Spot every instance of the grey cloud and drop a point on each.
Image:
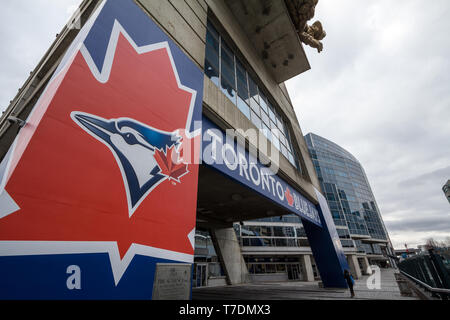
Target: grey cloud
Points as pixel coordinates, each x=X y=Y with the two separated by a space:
x=439 y=224
x=437 y=175
x=27 y=29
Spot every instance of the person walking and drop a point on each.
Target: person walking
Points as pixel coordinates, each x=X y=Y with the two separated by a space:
x=349 y=278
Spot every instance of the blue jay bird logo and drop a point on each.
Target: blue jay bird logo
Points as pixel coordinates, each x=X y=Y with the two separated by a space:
x=133 y=145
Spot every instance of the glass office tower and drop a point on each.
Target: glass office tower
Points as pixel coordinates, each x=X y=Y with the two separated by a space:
x=350 y=198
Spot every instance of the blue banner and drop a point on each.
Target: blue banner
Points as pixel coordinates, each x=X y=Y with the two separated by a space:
x=232 y=159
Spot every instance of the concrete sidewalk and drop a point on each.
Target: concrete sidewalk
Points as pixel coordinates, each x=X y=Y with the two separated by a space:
x=303 y=291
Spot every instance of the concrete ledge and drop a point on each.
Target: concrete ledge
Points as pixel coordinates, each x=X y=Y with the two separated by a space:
x=269 y=277
x=217 y=281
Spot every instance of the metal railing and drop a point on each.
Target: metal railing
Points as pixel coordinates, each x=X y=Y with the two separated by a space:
x=430 y=271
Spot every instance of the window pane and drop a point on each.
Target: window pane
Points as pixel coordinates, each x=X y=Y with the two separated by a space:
x=242 y=86
x=288 y=144
x=212 y=50
x=211 y=73
x=263 y=102
x=276 y=132
x=291 y=159
x=282 y=139
x=266 y=231
x=254 y=106
x=245 y=109
x=227 y=60
x=266 y=132
x=285 y=131
x=212 y=30
x=255 y=119
x=272 y=115
x=253 y=89
x=280 y=125
x=284 y=151
x=273 y=125
x=228 y=90
x=276 y=142
x=265 y=118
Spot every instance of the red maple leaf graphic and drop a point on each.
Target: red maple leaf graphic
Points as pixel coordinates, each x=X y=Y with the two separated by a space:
x=58 y=196
x=170 y=163
x=289 y=197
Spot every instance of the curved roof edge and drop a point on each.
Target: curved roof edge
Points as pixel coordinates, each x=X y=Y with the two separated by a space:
x=331 y=146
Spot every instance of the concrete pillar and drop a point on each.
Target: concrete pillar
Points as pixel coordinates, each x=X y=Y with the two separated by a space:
x=308 y=273
x=366 y=266
x=354 y=266
x=229 y=251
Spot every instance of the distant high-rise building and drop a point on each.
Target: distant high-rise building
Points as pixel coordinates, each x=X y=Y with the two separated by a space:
x=446 y=189
x=350 y=198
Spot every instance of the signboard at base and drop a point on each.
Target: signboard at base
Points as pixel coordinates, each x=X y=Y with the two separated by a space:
x=172 y=281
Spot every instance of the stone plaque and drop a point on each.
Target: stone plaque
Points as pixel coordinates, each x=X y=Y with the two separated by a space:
x=172 y=281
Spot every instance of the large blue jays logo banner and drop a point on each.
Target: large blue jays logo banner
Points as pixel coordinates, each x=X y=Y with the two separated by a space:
x=98 y=187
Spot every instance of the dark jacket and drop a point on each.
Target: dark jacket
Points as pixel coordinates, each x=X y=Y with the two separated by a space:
x=348 y=278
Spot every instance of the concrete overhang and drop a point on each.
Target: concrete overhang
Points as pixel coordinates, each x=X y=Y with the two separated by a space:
x=373 y=240
x=359 y=236
x=223 y=201
x=269 y=27
x=376 y=257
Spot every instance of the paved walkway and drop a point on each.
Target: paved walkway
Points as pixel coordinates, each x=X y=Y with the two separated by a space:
x=303 y=291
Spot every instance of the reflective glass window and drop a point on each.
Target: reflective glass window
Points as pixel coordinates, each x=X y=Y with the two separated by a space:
x=267 y=132
x=255 y=119
x=273 y=126
x=275 y=131
x=263 y=101
x=280 y=125
x=255 y=106
x=253 y=89
x=228 y=90
x=245 y=109
x=276 y=142
x=272 y=115
x=284 y=151
x=212 y=49
x=212 y=55
x=282 y=138
x=212 y=73
x=227 y=65
x=241 y=75
x=291 y=159
x=265 y=118
x=288 y=145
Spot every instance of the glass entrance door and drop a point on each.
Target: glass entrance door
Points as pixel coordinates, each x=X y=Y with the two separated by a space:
x=199 y=276
x=293 y=271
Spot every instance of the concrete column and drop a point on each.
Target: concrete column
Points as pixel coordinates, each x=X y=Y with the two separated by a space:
x=307 y=267
x=227 y=248
x=366 y=266
x=354 y=266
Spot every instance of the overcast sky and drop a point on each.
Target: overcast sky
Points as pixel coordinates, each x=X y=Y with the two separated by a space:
x=380 y=89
